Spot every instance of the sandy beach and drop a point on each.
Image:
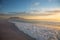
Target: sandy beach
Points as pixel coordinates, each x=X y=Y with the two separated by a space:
x=8 y=31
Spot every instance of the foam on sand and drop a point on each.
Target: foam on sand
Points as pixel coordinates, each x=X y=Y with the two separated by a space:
x=38 y=31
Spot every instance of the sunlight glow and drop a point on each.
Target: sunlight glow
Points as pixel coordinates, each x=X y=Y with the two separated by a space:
x=53 y=17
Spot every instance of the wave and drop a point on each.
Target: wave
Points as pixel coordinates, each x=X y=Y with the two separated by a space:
x=38 y=31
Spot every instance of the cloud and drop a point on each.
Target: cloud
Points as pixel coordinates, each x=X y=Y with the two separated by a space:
x=49 y=0
x=36 y=4
x=49 y=9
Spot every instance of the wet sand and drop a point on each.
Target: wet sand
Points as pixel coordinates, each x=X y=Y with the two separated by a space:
x=8 y=31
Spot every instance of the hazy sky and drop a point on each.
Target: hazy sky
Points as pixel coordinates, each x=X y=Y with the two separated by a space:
x=28 y=5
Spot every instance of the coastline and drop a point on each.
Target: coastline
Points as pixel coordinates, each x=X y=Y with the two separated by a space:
x=40 y=32
x=8 y=31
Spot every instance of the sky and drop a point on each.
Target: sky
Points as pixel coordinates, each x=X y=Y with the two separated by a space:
x=29 y=5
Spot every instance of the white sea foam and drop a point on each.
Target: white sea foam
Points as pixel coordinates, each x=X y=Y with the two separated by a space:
x=38 y=32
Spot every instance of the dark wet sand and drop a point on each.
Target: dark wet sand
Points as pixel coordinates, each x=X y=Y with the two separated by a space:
x=8 y=31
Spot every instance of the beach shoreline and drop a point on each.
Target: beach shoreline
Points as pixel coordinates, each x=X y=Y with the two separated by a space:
x=8 y=31
x=38 y=31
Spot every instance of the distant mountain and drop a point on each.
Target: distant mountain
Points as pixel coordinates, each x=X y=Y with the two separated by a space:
x=17 y=18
